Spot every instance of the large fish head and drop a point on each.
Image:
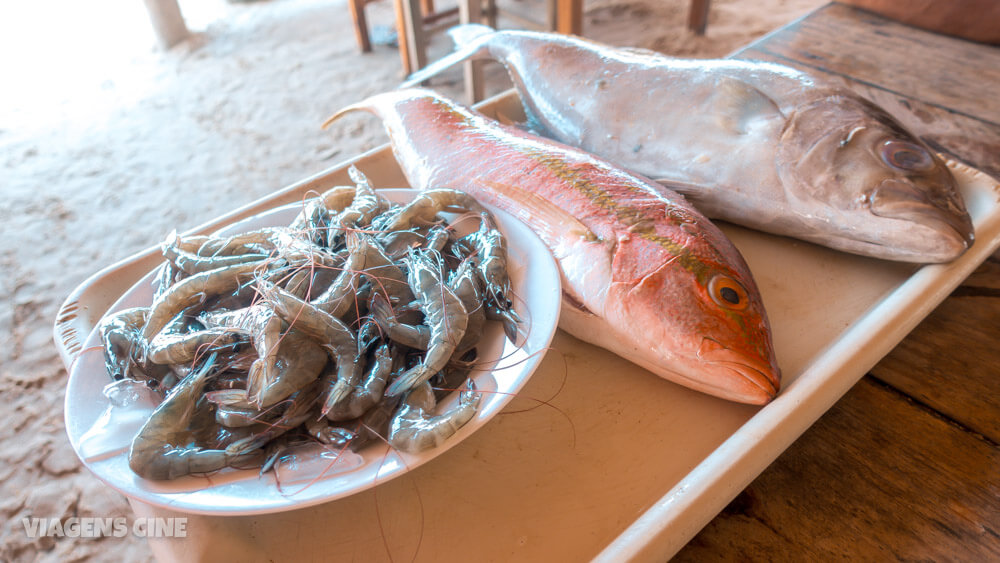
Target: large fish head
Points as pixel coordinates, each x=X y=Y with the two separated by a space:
x=694 y=315
x=874 y=188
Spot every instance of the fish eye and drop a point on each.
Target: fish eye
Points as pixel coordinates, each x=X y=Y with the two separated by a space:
x=728 y=293
x=906 y=156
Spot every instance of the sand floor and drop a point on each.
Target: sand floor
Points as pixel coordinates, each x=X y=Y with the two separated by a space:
x=107 y=144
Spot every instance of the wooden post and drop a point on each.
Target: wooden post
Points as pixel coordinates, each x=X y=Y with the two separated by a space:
x=569 y=17
x=360 y=24
x=410 y=30
x=698 y=16
x=168 y=23
x=471 y=11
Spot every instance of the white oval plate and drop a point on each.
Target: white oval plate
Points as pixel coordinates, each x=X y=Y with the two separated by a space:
x=101 y=436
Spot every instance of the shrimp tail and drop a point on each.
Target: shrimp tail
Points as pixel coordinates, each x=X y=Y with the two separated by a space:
x=408 y=380
x=338 y=393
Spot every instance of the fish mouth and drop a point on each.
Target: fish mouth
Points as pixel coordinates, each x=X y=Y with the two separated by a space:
x=895 y=199
x=755 y=380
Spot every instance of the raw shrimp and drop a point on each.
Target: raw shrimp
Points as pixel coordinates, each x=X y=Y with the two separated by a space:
x=414 y=428
x=308 y=341
x=437 y=237
x=297 y=361
x=491 y=255
x=179 y=348
x=297 y=411
x=444 y=314
x=366 y=205
x=161 y=450
x=467 y=285
x=258 y=240
x=335 y=337
x=312 y=223
x=385 y=276
x=121 y=335
x=185 y=336
x=328 y=434
x=425 y=207
x=398 y=244
x=192 y=263
x=337 y=298
x=367 y=393
x=191 y=291
x=125 y=351
x=166 y=277
x=414 y=336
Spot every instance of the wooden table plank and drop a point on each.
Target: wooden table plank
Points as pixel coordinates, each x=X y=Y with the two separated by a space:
x=948 y=363
x=877 y=478
x=939 y=70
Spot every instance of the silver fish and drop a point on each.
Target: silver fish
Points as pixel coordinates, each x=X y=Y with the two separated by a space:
x=758 y=144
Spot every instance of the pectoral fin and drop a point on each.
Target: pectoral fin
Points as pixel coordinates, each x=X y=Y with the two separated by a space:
x=737 y=105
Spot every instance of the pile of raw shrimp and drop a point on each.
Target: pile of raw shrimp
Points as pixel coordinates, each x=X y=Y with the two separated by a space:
x=344 y=327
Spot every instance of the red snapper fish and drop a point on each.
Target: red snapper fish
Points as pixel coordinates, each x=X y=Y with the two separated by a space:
x=644 y=274
x=754 y=143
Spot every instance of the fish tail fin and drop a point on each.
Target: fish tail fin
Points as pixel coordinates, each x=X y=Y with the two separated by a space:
x=465 y=34
x=363 y=105
x=471 y=43
x=377 y=104
x=374 y=104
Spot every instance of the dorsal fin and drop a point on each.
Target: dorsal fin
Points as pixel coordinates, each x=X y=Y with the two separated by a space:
x=471 y=41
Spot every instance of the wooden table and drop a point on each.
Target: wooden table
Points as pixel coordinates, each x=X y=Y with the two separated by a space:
x=907 y=464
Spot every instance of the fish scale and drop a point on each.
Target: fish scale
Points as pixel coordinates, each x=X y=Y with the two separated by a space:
x=642 y=270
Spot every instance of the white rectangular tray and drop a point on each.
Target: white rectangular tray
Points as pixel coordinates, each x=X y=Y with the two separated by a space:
x=596 y=458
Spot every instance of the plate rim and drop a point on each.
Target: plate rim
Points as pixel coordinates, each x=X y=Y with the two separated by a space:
x=541 y=262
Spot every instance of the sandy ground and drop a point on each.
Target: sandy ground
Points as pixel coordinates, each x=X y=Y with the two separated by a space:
x=106 y=144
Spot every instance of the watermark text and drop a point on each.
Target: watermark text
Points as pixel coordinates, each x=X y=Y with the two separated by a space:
x=91 y=527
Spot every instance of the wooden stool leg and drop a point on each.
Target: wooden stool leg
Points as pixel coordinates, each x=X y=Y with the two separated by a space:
x=470 y=11
x=698 y=16
x=551 y=15
x=360 y=24
x=401 y=37
x=412 y=37
x=168 y=23
x=569 y=16
x=490 y=15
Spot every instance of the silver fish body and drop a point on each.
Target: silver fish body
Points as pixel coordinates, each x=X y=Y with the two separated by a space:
x=753 y=143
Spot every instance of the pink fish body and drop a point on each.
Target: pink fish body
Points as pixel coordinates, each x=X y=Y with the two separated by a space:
x=644 y=274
